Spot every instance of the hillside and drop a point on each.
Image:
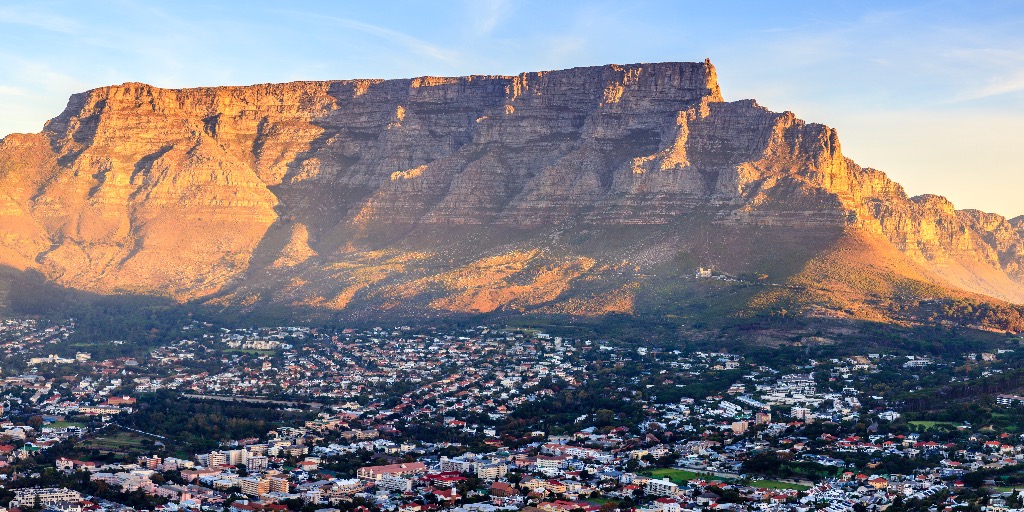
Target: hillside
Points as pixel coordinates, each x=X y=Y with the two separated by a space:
x=583 y=192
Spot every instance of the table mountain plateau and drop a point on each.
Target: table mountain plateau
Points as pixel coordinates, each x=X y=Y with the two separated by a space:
x=583 y=191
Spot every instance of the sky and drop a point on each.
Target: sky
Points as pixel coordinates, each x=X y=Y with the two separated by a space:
x=931 y=92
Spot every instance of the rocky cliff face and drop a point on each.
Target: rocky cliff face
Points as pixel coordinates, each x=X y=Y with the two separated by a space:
x=574 y=191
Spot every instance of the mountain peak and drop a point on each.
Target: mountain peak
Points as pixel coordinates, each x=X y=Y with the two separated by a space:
x=582 y=191
x=1018 y=222
x=934 y=203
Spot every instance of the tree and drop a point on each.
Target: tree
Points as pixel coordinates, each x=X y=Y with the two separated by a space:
x=604 y=417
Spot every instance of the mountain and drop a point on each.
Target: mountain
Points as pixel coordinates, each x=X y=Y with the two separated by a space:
x=583 y=192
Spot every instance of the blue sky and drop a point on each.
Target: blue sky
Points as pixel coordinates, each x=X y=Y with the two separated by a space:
x=930 y=92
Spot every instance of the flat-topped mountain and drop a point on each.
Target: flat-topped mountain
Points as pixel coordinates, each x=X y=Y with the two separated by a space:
x=584 y=191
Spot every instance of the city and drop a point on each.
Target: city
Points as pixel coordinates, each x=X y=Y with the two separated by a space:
x=486 y=418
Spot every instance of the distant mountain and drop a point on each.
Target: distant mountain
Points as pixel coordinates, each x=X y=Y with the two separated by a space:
x=581 y=192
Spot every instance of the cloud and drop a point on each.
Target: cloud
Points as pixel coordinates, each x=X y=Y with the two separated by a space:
x=488 y=14
x=28 y=16
x=411 y=43
x=38 y=75
x=989 y=72
x=997 y=86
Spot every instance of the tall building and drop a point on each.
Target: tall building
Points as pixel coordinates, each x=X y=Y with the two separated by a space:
x=255 y=486
x=763 y=418
x=278 y=484
x=217 y=458
x=257 y=464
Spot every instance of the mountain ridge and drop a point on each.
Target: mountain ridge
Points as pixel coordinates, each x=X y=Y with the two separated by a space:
x=563 y=192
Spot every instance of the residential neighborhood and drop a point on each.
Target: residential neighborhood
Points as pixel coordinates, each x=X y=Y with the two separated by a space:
x=485 y=419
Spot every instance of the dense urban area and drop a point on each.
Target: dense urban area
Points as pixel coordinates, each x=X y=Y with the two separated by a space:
x=487 y=418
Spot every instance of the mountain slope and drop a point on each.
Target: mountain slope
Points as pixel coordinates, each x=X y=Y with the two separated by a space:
x=584 y=191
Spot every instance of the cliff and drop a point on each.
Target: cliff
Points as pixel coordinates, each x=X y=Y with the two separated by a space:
x=580 y=191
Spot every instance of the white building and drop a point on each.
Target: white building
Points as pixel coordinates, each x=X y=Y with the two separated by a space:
x=661 y=488
x=40 y=497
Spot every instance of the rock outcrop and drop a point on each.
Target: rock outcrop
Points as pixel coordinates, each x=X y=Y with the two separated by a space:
x=1018 y=223
x=579 y=191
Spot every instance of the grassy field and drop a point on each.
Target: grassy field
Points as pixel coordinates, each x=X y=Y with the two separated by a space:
x=1007 y=488
x=679 y=476
x=119 y=442
x=775 y=484
x=928 y=425
x=1003 y=422
x=65 y=424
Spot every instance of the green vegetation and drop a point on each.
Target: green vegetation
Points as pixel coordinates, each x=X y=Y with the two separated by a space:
x=682 y=476
x=929 y=425
x=1006 y=476
x=992 y=315
x=711 y=383
x=777 y=484
x=65 y=424
x=679 y=476
x=198 y=425
x=118 y=442
x=771 y=464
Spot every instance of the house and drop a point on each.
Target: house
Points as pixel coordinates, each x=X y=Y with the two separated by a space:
x=667 y=505
x=448 y=496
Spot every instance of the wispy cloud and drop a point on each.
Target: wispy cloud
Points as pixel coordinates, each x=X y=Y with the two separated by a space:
x=37 y=75
x=33 y=92
x=30 y=15
x=411 y=43
x=988 y=72
x=488 y=14
x=996 y=86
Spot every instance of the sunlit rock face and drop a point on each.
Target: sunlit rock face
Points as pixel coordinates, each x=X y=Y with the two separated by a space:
x=582 y=192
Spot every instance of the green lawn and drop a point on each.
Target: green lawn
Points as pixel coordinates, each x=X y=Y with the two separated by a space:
x=64 y=424
x=119 y=442
x=775 y=484
x=1003 y=422
x=933 y=424
x=679 y=476
x=1010 y=488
